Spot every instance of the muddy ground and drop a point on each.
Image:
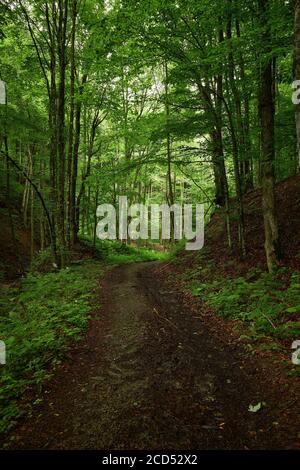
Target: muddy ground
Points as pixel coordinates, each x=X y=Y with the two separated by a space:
x=152 y=374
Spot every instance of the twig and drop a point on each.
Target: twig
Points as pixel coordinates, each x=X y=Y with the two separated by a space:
x=166 y=319
x=270 y=321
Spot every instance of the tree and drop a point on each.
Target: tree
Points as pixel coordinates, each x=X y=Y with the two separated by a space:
x=94 y=113
x=297 y=72
x=267 y=112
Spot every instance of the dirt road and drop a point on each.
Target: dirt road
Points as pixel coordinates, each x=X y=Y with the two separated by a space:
x=150 y=375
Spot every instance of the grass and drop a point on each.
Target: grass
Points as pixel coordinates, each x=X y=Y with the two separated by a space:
x=115 y=252
x=38 y=321
x=136 y=256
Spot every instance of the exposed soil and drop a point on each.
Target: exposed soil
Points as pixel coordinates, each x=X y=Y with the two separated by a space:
x=153 y=374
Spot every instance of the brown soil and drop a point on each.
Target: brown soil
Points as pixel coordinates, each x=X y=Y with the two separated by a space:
x=152 y=373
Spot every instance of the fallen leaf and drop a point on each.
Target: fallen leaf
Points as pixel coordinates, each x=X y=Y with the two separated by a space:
x=255 y=408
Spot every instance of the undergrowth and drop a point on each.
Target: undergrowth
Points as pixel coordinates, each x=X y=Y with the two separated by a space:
x=269 y=305
x=38 y=321
x=115 y=252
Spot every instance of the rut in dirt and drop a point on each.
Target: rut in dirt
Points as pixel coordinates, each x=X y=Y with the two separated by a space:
x=150 y=375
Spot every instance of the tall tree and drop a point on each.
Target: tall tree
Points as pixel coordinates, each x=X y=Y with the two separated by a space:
x=267 y=112
x=297 y=72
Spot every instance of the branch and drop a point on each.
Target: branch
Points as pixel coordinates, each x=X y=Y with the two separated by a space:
x=36 y=46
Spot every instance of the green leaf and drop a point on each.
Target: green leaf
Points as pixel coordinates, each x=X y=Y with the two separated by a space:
x=293 y=309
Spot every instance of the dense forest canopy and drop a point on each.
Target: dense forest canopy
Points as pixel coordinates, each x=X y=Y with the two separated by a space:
x=164 y=101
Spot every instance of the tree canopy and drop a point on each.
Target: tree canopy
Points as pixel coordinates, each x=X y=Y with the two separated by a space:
x=163 y=101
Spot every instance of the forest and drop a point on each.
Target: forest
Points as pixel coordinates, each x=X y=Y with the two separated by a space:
x=167 y=102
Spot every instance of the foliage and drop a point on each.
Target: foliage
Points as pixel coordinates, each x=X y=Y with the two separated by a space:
x=115 y=252
x=37 y=323
x=141 y=75
x=268 y=305
x=42 y=262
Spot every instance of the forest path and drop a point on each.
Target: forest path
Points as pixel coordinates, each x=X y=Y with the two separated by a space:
x=149 y=376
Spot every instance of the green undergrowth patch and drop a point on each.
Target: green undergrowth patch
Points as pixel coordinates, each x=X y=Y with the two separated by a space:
x=38 y=322
x=115 y=252
x=268 y=305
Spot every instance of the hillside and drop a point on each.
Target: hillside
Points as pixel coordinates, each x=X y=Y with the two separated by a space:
x=288 y=203
x=14 y=254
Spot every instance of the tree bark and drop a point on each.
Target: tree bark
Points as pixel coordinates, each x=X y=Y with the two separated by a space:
x=73 y=219
x=95 y=123
x=237 y=142
x=61 y=154
x=267 y=111
x=71 y=124
x=52 y=118
x=247 y=164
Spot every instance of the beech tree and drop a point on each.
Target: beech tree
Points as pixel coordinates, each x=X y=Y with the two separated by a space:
x=267 y=112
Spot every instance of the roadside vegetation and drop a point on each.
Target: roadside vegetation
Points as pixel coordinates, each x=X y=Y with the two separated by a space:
x=267 y=303
x=38 y=321
x=265 y=307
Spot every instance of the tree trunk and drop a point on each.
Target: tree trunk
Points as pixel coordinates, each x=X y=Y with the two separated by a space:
x=221 y=183
x=71 y=123
x=267 y=111
x=11 y=220
x=247 y=164
x=95 y=216
x=237 y=142
x=169 y=193
x=297 y=75
x=95 y=124
x=61 y=42
x=52 y=119
x=73 y=220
